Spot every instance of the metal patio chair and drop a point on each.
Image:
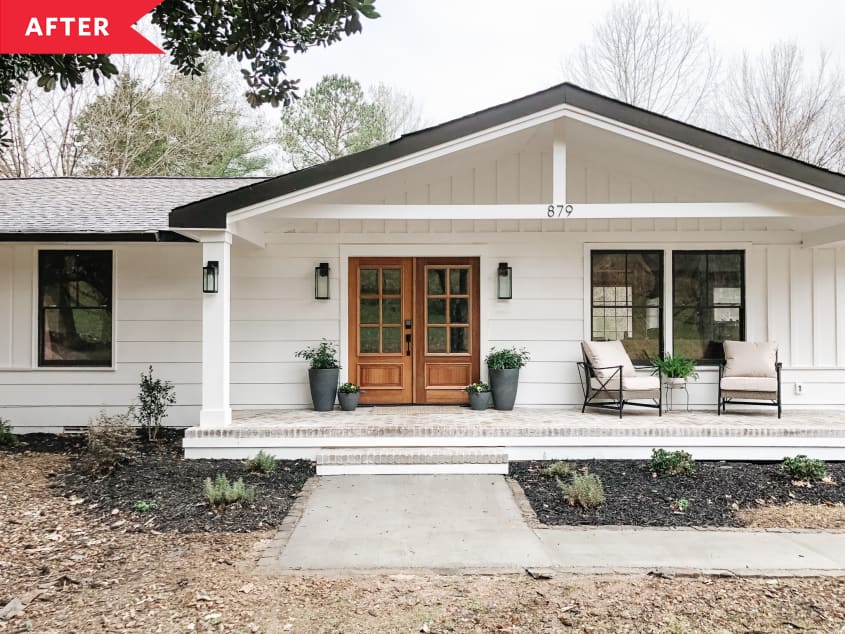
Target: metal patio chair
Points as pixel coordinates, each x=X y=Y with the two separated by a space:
x=749 y=375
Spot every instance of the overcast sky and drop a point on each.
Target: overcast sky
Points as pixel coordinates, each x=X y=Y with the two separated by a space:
x=458 y=56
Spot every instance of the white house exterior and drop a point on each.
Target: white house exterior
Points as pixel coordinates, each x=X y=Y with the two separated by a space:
x=563 y=186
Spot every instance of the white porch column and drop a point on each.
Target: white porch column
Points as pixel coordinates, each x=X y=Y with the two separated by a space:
x=216 y=409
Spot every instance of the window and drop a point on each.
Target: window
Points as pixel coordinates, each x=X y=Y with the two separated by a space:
x=627 y=291
x=75 y=308
x=708 y=302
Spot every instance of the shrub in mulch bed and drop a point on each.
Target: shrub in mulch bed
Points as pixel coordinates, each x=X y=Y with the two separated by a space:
x=635 y=498
x=170 y=490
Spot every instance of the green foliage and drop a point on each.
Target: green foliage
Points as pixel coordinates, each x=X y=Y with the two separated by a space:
x=332 y=119
x=322 y=356
x=671 y=463
x=154 y=397
x=806 y=469
x=559 y=469
x=681 y=505
x=7 y=438
x=220 y=493
x=584 y=490
x=477 y=388
x=507 y=358
x=142 y=506
x=349 y=388
x=264 y=32
x=261 y=463
x=110 y=440
x=675 y=367
x=191 y=127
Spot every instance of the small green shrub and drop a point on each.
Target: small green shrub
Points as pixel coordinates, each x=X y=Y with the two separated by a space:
x=110 y=440
x=7 y=438
x=675 y=367
x=681 y=505
x=349 y=388
x=261 y=463
x=322 y=356
x=559 y=469
x=155 y=396
x=671 y=463
x=477 y=388
x=219 y=492
x=507 y=358
x=584 y=490
x=803 y=468
x=142 y=506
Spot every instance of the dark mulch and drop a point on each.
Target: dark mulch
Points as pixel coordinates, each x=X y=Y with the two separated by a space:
x=45 y=443
x=636 y=498
x=158 y=474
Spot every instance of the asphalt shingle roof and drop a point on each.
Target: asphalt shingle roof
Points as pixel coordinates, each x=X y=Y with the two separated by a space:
x=101 y=205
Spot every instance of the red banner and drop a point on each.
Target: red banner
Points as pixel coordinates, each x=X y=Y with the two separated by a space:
x=82 y=26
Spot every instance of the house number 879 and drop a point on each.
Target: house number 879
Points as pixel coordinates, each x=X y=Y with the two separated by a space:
x=556 y=211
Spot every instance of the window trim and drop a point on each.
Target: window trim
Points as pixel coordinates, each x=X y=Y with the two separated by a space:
x=743 y=308
x=38 y=296
x=661 y=345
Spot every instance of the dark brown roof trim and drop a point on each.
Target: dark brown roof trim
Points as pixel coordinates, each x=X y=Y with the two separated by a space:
x=211 y=212
x=150 y=236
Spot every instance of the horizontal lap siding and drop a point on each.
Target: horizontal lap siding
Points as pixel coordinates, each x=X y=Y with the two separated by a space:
x=158 y=322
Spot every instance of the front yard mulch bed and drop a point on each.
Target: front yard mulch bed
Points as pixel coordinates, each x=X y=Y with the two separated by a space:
x=159 y=475
x=636 y=498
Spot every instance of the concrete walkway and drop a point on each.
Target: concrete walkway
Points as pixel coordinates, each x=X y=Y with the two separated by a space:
x=470 y=523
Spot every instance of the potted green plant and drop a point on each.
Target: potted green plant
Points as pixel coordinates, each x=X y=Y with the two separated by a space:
x=503 y=371
x=676 y=369
x=479 y=396
x=348 y=395
x=322 y=374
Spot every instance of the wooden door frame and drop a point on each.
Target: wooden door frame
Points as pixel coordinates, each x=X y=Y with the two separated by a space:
x=385 y=246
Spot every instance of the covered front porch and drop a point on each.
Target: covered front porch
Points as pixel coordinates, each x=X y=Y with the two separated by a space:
x=398 y=439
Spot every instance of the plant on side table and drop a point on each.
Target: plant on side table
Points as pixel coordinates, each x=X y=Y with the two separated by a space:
x=348 y=395
x=479 y=396
x=676 y=369
x=323 y=373
x=503 y=369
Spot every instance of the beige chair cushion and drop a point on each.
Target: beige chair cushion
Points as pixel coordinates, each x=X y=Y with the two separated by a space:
x=629 y=383
x=747 y=359
x=749 y=384
x=605 y=354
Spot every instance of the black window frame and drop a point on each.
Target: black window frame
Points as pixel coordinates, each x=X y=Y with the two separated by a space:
x=73 y=363
x=742 y=306
x=661 y=306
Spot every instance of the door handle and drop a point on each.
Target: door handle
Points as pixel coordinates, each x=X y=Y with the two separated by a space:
x=408 y=345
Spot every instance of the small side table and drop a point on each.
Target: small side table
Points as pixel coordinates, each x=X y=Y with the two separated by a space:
x=670 y=389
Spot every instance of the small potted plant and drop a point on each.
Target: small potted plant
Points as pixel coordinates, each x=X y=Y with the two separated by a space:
x=479 y=396
x=348 y=395
x=322 y=374
x=503 y=369
x=677 y=370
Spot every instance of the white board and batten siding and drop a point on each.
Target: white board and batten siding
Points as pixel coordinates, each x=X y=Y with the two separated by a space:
x=794 y=296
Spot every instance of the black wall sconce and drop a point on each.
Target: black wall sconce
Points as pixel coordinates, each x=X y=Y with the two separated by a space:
x=321 y=281
x=210 y=275
x=505 y=281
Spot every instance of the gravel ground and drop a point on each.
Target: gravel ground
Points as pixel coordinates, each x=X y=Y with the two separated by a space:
x=635 y=497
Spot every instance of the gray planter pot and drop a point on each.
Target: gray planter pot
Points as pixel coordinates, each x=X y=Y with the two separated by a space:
x=480 y=401
x=323 y=385
x=348 y=400
x=503 y=385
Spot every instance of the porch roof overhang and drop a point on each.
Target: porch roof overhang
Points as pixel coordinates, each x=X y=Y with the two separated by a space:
x=565 y=99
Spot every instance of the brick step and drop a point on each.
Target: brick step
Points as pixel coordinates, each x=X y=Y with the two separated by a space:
x=412 y=460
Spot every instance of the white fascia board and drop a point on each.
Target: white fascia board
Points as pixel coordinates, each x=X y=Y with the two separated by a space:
x=536 y=119
x=541 y=211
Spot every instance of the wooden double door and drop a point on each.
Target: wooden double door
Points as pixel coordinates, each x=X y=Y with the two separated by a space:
x=413 y=329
